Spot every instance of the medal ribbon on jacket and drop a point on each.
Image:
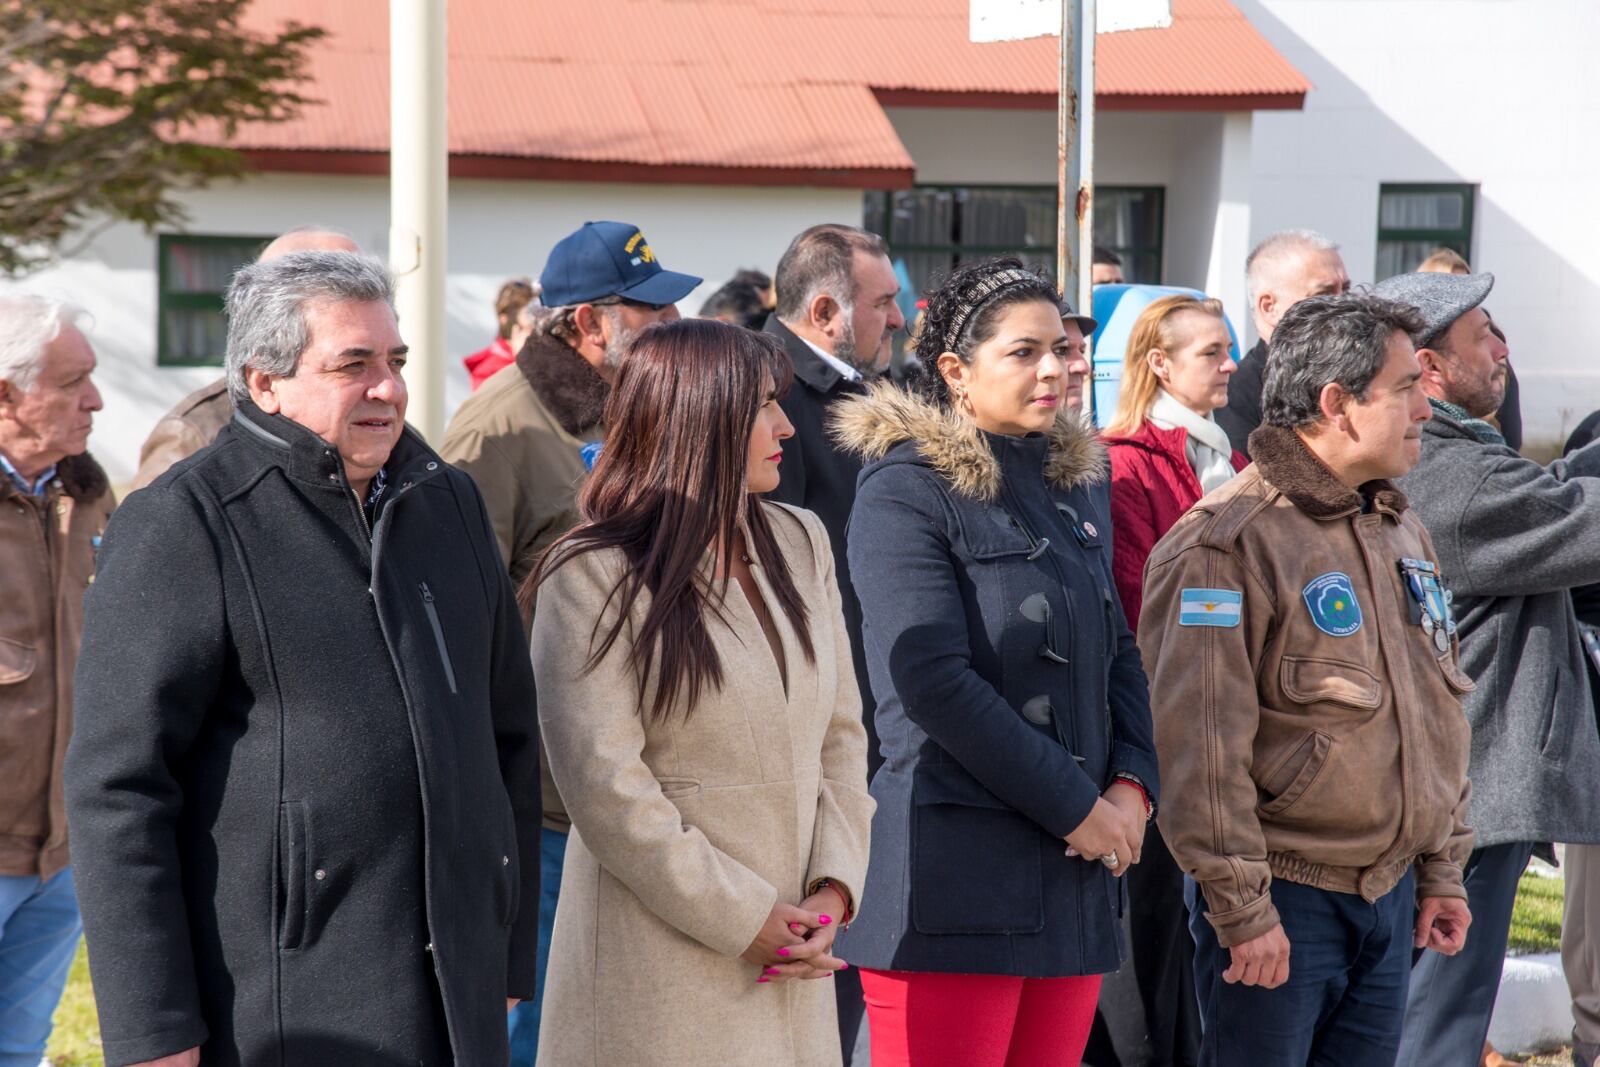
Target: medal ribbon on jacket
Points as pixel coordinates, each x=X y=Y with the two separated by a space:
x=1432 y=601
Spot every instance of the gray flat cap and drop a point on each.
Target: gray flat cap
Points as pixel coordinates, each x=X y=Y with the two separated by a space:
x=1442 y=298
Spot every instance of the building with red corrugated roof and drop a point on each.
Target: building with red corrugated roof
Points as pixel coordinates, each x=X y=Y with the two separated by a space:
x=723 y=127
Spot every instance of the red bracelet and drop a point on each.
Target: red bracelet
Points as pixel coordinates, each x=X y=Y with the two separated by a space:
x=1128 y=779
x=843 y=900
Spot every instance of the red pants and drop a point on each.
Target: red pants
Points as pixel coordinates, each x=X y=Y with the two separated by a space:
x=923 y=1019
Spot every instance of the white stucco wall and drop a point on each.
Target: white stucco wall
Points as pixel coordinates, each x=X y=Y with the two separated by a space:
x=497 y=230
x=1501 y=94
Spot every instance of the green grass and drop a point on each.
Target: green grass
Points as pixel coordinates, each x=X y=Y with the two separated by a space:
x=76 y=1040
x=1536 y=919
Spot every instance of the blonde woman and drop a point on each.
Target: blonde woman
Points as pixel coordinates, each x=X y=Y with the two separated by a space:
x=1167 y=451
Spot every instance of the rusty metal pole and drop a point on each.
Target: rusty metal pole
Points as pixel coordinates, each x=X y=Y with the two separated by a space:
x=1085 y=178
x=1075 y=162
x=1067 y=151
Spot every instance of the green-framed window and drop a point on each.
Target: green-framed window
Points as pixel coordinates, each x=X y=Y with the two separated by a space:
x=193 y=272
x=1130 y=220
x=1415 y=220
x=931 y=228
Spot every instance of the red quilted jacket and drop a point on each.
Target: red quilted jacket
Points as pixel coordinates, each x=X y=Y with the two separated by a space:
x=1152 y=485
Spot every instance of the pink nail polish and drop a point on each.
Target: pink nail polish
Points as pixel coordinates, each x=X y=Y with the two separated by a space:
x=760 y=980
x=824 y=920
x=771 y=970
x=783 y=952
x=844 y=966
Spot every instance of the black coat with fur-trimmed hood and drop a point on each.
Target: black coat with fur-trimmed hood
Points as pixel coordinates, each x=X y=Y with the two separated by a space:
x=1009 y=691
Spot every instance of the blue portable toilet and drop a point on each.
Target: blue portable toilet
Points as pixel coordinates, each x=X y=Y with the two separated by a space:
x=1116 y=309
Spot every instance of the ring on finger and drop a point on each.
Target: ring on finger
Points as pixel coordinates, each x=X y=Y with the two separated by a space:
x=1111 y=860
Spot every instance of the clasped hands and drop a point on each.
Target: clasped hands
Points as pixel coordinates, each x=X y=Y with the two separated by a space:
x=797 y=941
x=1114 y=827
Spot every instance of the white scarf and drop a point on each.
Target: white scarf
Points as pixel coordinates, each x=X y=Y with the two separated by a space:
x=1208 y=449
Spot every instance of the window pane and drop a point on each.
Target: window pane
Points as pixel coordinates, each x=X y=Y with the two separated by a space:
x=1018 y=218
x=1127 y=218
x=1422 y=211
x=923 y=217
x=1128 y=222
x=205 y=267
x=1403 y=257
x=194 y=336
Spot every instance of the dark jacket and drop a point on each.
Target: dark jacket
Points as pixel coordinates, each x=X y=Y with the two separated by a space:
x=1152 y=485
x=1243 y=413
x=819 y=474
x=1513 y=539
x=1009 y=692
x=304 y=785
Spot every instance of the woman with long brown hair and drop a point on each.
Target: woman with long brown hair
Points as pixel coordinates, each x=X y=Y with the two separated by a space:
x=703 y=725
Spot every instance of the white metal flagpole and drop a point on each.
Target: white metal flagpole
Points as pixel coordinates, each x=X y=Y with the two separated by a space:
x=418 y=195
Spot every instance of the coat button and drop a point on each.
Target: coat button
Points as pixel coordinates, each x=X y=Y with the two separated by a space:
x=1037 y=710
x=428 y=948
x=321 y=874
x=505 y=861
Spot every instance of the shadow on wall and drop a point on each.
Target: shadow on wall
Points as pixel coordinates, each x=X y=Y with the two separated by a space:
x=1321 y=168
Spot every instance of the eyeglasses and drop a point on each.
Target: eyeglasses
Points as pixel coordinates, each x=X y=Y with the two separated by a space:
x=622 y=301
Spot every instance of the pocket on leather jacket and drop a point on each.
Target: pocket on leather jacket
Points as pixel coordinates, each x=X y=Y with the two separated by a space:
x=975 y=860
x=1307 y=680
x=16 y=661
x=1293 y=775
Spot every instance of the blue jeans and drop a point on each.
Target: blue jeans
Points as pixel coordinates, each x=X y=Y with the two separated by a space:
x=1452 y=997
x=1345 y=999
x=39 y=928
x=524 y=1021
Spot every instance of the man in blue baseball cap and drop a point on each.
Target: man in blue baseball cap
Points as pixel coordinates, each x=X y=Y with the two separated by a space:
x=522 y=437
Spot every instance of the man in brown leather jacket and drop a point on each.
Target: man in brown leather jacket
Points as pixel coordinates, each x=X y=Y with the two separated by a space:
x=1305 y=689
x=54 y=502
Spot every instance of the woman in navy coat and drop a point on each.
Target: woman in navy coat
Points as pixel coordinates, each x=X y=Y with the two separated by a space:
x=1019 y=765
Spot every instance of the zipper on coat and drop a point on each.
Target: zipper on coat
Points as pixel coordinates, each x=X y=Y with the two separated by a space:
x=438 y=634
x=361 y=515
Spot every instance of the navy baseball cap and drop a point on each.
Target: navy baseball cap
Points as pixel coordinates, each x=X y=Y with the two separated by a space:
x=606 y=259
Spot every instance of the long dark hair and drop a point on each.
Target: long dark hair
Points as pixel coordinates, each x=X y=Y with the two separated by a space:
x=669 y=483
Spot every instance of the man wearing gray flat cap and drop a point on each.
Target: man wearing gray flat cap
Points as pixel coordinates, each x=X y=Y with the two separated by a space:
x=1513 y=537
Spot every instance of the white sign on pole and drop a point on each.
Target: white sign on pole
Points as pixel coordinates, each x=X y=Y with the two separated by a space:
x=1012 y=20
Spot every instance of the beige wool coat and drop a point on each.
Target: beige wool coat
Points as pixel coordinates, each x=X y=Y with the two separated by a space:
x=685 y=833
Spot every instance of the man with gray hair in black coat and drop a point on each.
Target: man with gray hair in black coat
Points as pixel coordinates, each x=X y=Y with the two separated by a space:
x=1513 y=538
x=304 y=784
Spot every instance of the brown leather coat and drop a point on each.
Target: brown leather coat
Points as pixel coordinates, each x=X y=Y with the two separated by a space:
x=1311 y=739
x=193 y=423
x=47 y=554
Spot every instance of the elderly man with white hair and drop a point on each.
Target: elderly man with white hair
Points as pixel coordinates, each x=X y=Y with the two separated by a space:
x=54 y=502
x=1282 y=270
x=305 y=782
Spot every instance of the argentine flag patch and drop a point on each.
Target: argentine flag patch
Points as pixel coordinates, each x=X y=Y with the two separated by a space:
x=1209 y=607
